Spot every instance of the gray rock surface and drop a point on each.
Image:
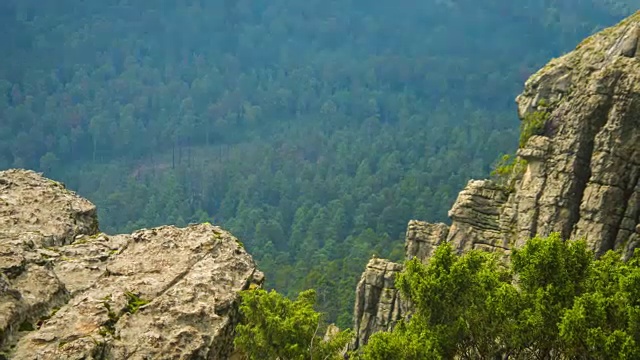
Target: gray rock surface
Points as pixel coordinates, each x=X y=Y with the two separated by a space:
x=378 y=303
x=582 y=175
x=476 y=217
x=423 y=238
x=68 y=291
x=589 y=181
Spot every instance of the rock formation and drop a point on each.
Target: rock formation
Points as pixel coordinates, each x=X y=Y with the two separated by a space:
x=582 y=174
x=68 y=291
x=378 y=303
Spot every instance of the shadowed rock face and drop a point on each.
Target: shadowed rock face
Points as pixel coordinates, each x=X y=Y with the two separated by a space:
x=585 y=182
x=70 y=292
x=582 y=177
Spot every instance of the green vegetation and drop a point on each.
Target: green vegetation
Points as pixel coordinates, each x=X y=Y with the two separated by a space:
x=109 y=327
x=508 y=168
x=134 y=302
x=554 y=299
x=532 y=124
x=312 y=130
x=274 y=327
x=26 y=326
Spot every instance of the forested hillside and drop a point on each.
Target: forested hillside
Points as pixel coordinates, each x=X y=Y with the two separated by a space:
x=313 y=130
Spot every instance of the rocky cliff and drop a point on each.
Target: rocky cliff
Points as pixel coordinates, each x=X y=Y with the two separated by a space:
x=68 y=291
x=579 y=172
x=379 y=305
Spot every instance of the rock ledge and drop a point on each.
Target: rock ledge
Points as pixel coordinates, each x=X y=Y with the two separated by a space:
x=68 y=291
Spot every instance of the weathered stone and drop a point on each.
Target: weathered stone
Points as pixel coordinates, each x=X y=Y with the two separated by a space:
x=160 y=293
x=582 y=175
x=476 y=216
x=627 y=45
x=536 y=149
x=378 y=303
x=423 y=238
x=30 y=203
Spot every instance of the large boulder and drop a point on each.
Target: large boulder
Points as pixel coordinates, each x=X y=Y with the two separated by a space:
x=68 y=291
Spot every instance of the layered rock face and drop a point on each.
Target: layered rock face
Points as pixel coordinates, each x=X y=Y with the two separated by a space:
x=584 y=183
x=582 y=176
x=379 y=305
x=68 y=291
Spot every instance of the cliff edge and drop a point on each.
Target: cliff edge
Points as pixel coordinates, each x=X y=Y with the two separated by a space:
x=577 y=171
x=68 y=291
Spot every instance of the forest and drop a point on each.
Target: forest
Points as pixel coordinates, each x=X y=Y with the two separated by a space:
x=312 y=130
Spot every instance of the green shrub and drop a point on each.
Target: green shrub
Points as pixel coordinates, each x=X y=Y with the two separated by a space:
x=554 y=300
x=532 y=124
x=134 y=302
x=275 y=327
x=508 y=168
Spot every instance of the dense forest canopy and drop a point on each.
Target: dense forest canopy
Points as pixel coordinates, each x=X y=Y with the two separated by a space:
x=314 y=130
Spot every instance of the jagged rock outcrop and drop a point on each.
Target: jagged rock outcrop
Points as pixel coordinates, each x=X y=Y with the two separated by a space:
x=68 y=291
x=378 y=303
x=423 y=238
x=582 y=174
x=378 y=306
x=582 y=177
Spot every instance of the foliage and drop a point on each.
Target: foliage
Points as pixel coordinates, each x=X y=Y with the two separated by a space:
x=604 y=322
x=109 y=327
x=313 y=130
x=134 y=302
x=507 y=168
x=26 y=326
x=532 y=124
x=551 y=273
x=554 y=301
x=275 y=327
x=463 y=305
